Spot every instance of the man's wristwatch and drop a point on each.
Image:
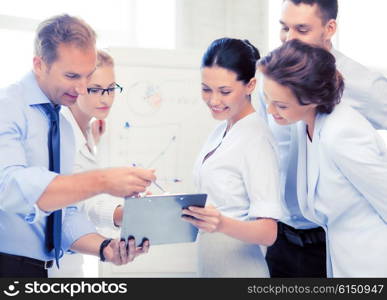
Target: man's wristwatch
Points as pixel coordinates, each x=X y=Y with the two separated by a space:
x=102 y=247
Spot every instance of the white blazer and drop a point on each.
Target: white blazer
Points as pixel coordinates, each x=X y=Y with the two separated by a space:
x=346 y=191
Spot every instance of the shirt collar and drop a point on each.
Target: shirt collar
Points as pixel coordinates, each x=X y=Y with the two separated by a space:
x=241 y=122
x=33 y=94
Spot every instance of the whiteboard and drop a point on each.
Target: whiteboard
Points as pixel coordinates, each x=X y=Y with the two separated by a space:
x=159 y=122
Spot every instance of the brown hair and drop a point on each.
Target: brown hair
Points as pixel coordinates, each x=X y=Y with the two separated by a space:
x=309 y=71
x=62 y=29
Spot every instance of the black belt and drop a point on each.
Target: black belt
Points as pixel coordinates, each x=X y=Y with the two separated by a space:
x=302 y=237
x=32 y=261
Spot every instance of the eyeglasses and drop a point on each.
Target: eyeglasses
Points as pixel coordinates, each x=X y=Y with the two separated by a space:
x=109 y=91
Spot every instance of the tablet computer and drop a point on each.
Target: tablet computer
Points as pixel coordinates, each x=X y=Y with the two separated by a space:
x=158 y=218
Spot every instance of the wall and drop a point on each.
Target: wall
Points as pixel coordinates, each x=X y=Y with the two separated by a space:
x=199 y=22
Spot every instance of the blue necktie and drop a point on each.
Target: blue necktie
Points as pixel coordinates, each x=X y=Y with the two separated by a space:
x=54 y=220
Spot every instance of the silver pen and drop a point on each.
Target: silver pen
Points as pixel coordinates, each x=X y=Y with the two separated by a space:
x=154 y=182
x=158 y=186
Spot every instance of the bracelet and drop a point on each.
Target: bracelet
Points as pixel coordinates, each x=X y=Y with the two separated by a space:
x=102 y=247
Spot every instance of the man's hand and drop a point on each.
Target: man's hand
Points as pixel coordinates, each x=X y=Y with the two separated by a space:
x=129 y=181
x=65 y=190
x=120 y=254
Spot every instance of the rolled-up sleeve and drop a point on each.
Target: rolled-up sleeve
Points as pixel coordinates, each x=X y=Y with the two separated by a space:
x=21 y=188
x=21 y=185
x=261 y=177
x=36 y=215
x=100 y=210
x=75 y=225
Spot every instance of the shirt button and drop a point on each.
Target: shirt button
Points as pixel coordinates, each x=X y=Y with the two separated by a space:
x=294 y=217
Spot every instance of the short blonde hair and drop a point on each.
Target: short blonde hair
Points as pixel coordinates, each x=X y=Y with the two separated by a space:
x=62 y=29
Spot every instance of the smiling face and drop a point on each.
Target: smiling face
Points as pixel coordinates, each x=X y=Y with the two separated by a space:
x=305 y=23
x=227 y=97
x=284 y=106
x=67 y=77
x=95 y=105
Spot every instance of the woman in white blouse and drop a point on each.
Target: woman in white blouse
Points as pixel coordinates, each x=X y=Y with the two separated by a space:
x=96 y=104
x=237 y=168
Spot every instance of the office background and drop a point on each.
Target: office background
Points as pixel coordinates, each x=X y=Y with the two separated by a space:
x=168 y=37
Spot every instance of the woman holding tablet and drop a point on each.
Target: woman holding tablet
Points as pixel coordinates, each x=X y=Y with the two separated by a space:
x=237 y=168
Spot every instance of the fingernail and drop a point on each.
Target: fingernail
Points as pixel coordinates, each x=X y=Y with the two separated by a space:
x=143 y=241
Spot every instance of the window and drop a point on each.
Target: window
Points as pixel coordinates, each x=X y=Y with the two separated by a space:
x=16 y=54
x=361 y=32
x=274 y=24
x=118 y=23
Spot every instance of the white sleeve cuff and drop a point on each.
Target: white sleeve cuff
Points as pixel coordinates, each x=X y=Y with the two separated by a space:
x=100 y=210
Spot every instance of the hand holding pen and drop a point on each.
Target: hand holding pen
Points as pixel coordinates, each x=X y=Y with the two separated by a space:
x=155 y=183
x=125 y=181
